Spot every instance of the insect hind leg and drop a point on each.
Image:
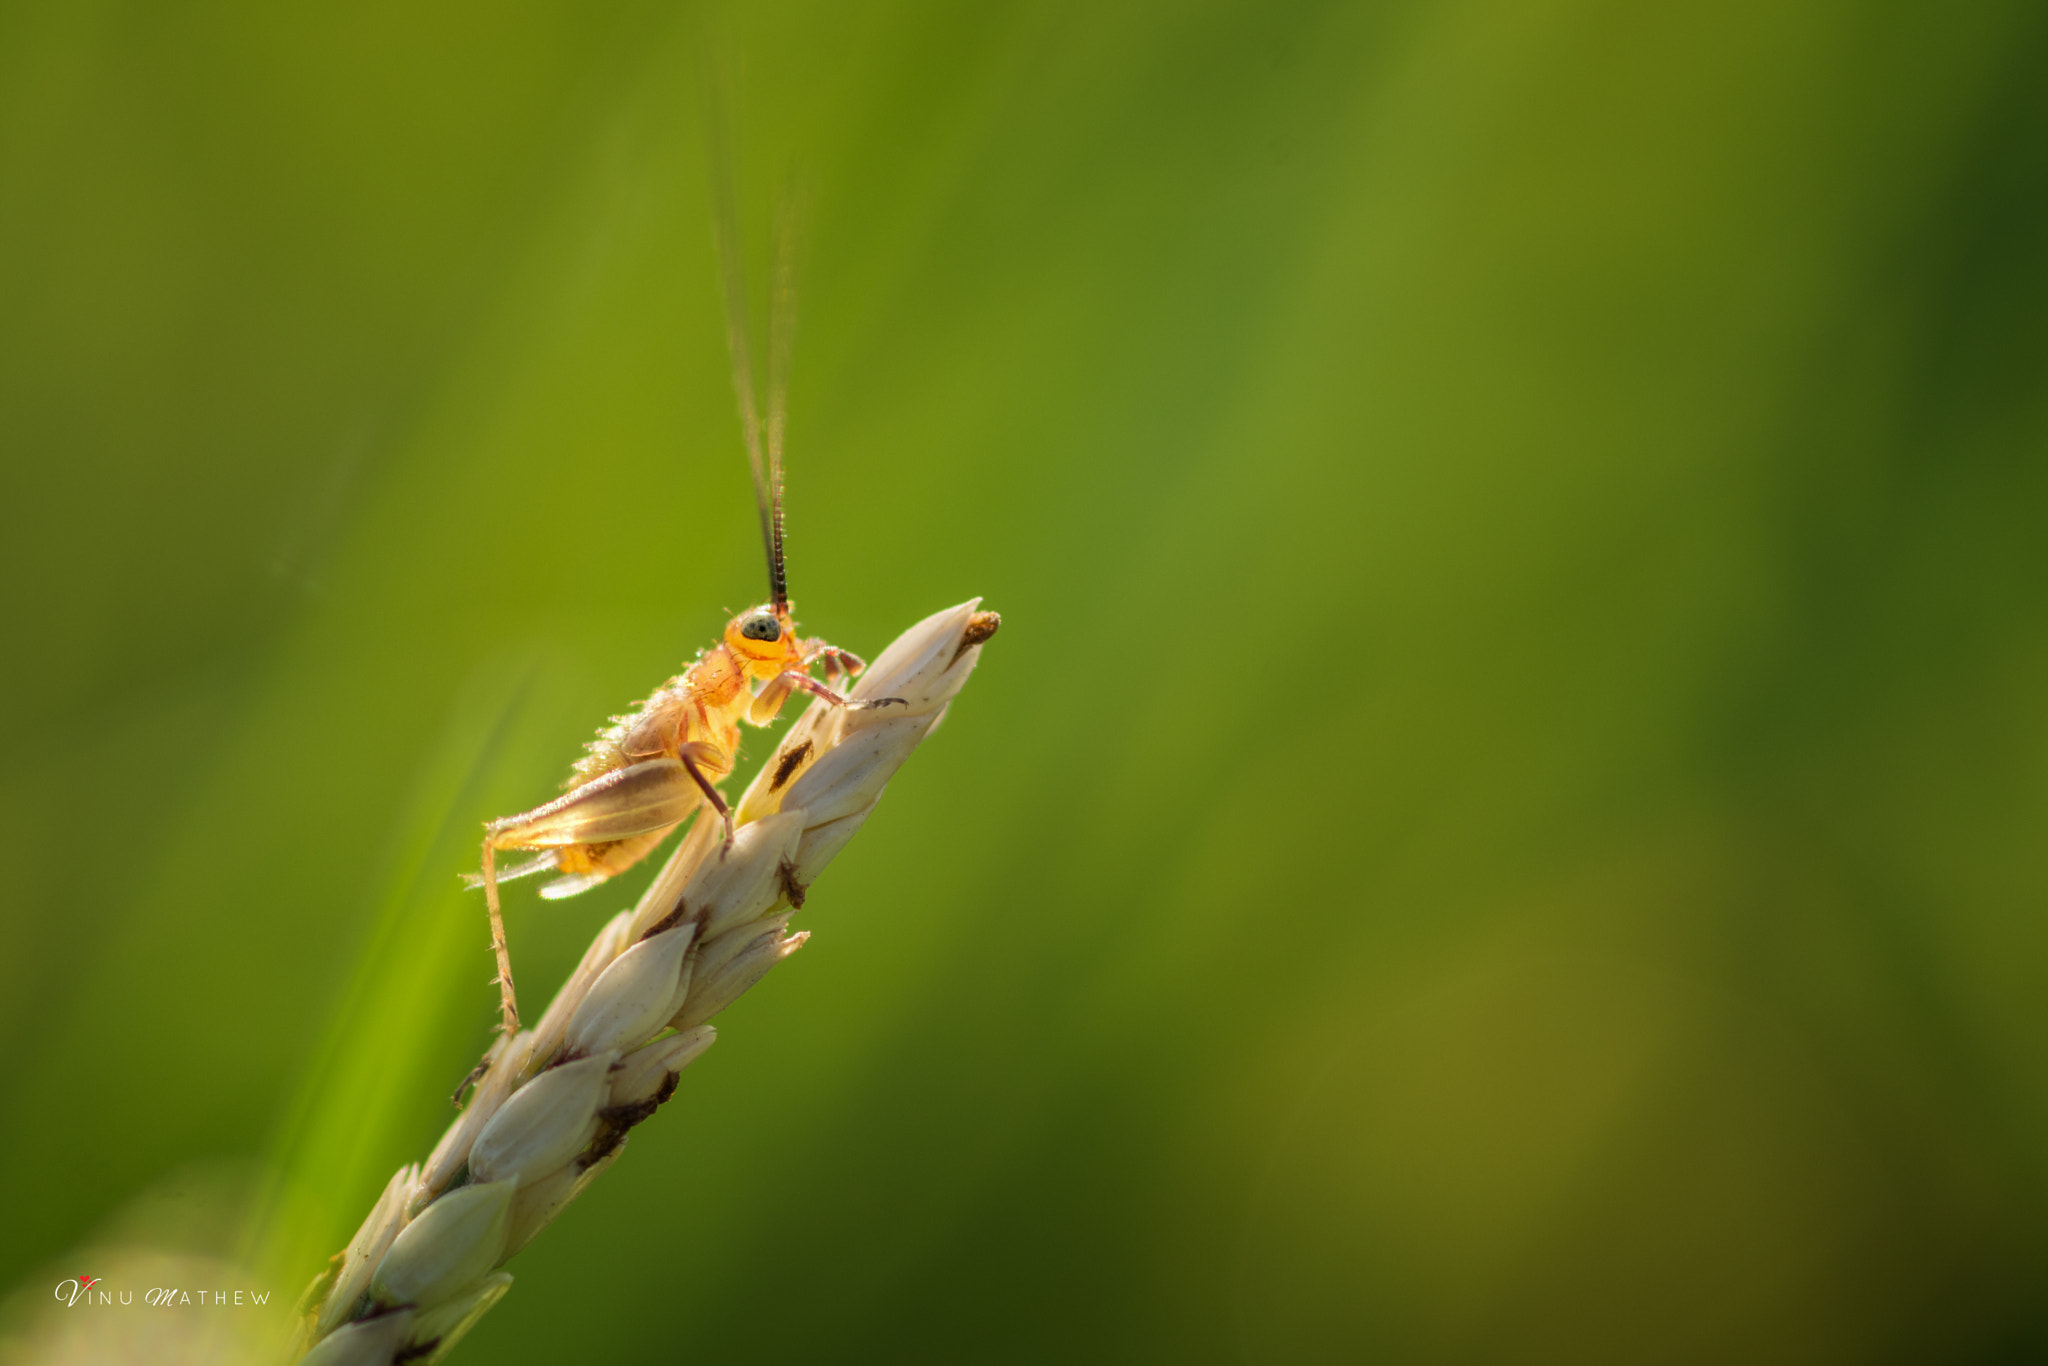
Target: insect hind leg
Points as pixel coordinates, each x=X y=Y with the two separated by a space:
x=508 y=1004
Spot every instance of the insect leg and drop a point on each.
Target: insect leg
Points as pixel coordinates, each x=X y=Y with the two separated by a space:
x=476 y=1074
x=507 y=1003
x=776 y=691
x=689 y=754
x=832 y=659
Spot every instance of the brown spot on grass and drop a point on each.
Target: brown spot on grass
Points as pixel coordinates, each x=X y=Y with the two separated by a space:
x=667 y=922
x=614 y=1120
x=980 y=627
x=791 y=888
x=788 y=765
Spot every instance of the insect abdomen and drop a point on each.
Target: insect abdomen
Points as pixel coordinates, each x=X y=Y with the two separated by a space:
x=650 y=730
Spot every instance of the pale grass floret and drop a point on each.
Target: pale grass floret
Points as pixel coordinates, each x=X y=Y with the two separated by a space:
x=548 y=1121
x=644 y=1072
x=447 y=1249
x=552 y=1106
x=451 y=1319
x=368 y=1342
x=736 y=961
x=537 y=1204
x=367 y=1249
x=633 y=997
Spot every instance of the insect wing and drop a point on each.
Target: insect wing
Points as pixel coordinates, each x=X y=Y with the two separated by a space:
x=625 y=802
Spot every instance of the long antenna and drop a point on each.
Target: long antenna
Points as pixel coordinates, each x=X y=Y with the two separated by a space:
x=725 y=229
x=781 y=338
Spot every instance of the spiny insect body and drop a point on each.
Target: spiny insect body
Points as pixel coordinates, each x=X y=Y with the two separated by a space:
x=658 y=765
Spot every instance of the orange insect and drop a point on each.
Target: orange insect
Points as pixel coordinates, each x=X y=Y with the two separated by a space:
x=656 y=767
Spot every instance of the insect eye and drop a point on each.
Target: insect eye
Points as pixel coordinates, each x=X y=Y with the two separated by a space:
x=761 y=627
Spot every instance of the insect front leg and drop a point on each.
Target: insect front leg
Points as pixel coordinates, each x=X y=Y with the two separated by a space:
x=768 y=702
x=832 y=659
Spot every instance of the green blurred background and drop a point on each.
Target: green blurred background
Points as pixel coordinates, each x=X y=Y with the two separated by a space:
x=1506 y=820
